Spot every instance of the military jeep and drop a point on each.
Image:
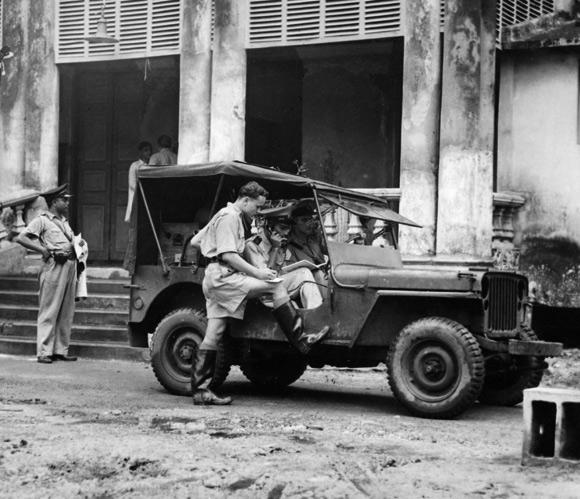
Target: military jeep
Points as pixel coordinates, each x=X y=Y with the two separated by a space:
x=447 y=337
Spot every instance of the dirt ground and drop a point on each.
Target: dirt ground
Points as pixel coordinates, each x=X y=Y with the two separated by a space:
x=104 y=429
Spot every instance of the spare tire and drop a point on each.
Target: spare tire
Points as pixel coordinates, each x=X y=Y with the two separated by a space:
x=174 y=346
x=435 y=368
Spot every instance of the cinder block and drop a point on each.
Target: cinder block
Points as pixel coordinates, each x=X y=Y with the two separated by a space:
x=551 y=425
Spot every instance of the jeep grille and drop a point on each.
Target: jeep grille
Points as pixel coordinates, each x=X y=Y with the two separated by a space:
x=503 y=297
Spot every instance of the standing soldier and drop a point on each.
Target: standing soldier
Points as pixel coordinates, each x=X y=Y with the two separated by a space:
x=50 y=235
x=228 y=283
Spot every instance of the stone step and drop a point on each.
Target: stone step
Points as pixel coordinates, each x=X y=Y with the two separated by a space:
x=94 y=286
x=82 y=316
x=83 y=349
x=87 y=333
x=100 y=301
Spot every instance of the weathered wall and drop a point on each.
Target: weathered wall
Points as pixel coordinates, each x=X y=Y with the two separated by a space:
x=539 y=153
x=29 y=99
x=351 y=120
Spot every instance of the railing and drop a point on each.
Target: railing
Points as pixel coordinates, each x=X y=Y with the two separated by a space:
x=17 y=212
x=342 y=226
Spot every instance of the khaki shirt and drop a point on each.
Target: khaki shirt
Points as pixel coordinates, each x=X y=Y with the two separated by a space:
x=224 y=233
x=165 y=157
x=258 y=250
x=48 y=228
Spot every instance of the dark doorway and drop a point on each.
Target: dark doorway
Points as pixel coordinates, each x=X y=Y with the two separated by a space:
x=335 y=108
x=114 y=107
x=274 y=109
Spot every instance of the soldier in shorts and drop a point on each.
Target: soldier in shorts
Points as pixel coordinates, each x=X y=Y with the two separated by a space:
x=228 y=283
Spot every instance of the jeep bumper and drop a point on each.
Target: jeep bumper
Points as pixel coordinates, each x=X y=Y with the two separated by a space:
x=535 y=348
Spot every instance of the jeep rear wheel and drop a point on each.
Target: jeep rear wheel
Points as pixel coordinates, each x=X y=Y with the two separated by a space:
x=174 y=346
x=276 y=372
x=435 y=368
x=507 y=376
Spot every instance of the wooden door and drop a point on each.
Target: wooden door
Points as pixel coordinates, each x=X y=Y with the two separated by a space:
x=109 y=120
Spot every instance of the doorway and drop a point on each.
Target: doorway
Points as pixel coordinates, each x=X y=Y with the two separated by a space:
x=114 y=107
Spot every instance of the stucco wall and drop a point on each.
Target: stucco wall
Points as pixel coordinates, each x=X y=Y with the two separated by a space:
x=539 y=154
x=538 y=150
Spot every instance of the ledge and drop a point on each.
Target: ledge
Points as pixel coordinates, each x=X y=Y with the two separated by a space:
x=508 y=199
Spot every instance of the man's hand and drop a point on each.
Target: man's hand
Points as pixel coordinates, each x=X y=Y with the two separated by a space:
x=45 y=255
x=277 y=240
x=265 y=274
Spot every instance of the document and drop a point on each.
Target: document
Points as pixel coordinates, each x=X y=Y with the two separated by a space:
x=301 y=264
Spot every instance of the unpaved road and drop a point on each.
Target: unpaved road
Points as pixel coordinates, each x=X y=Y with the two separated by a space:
x=106 y=429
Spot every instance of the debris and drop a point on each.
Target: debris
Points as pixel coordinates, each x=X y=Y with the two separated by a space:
x=276 y=491
x=241 y=483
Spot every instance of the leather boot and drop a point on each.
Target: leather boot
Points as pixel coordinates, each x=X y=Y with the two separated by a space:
x=201 y=376
x=292 y=325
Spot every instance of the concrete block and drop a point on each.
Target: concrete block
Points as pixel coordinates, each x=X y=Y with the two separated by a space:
x=551 y=426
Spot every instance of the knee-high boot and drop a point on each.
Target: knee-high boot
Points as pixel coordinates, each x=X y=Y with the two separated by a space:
x=201 y=375
x=292 y=325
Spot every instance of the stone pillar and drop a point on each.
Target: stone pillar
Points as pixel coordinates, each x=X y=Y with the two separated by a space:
x=228 y=101
x=195 y=82
x=29 y=99
x=420 y=125
x=464 y=217
x=13 y=97
x=42 y=90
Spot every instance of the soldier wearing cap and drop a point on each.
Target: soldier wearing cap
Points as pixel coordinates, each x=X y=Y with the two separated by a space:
x=268 y=249
x=50 y=235
x=230 y=281
x=304 y=241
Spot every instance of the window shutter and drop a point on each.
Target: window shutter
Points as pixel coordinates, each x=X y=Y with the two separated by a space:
x=295 y=22
x=144 y=28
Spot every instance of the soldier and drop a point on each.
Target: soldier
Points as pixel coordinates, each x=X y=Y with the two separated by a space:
x=228 y=283
x=305 y=242
x=268 y=249
x=50 y=235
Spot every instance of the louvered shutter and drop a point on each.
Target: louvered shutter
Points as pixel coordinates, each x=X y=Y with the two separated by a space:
x=510 y=12
x=144 y=28
x=295 y=22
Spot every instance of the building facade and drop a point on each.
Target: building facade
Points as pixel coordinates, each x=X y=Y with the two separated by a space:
x=401 y=97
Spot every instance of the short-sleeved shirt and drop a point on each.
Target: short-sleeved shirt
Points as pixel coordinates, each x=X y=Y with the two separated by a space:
x=52 y=231
x=224 y=233
x=258 y=250
x=165 y=157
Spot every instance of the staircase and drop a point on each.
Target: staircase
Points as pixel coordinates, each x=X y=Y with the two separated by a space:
x=100 y=322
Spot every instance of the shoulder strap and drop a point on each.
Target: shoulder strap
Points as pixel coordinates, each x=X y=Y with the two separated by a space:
x=60 y=226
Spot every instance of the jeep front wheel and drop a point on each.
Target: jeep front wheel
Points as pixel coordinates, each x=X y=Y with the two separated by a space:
x=507 y=376
x=174 y=347
x=435 y=368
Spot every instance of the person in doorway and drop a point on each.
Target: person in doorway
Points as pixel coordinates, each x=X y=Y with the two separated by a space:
x=165 y=156
x=50 y=235
x=228 y=283
x=145 y=150
x=267 y=249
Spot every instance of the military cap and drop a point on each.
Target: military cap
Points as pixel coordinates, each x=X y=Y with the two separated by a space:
x=58 y=192
x=303 y=208
x=278 y=214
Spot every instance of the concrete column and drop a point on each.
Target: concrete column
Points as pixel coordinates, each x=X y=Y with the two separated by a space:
x=464 y=215
x=42 y=88
x=13 y=98
x=195 y=82
x=420 y=125
x=228 y=101
x=29 y=99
